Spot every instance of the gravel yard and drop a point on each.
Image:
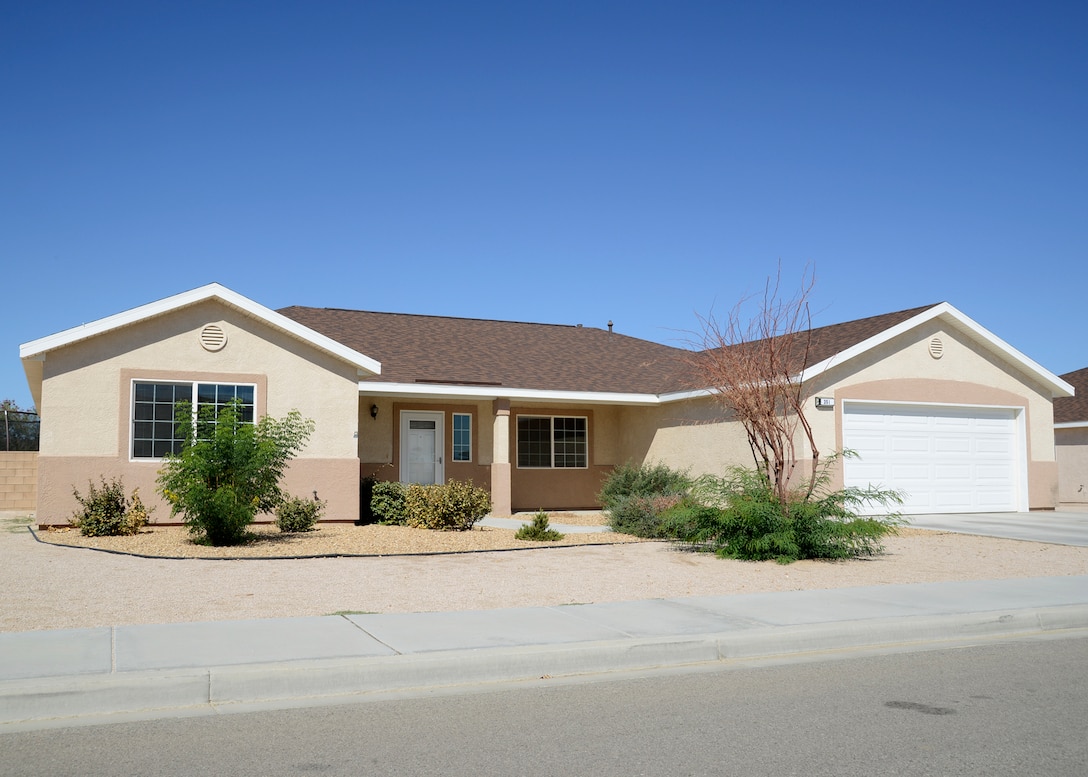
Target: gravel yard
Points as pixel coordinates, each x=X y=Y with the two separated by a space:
x=53 y=586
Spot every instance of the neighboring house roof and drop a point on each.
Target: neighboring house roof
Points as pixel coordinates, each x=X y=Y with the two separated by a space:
x=1073 y=411
x=496 y=356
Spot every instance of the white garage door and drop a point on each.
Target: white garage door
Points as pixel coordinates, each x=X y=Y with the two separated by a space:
x=946 y=459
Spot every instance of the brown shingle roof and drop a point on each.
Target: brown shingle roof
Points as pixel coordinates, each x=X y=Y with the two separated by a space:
x=827 y=341
x=1075 y=408
x=468 y=351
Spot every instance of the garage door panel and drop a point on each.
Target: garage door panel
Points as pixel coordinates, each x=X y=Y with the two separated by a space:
x=957 y=445
x=947 y=459
x=957 y=473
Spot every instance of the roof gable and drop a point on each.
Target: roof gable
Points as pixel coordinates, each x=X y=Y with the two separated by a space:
x=37 y=349
x=910 y=319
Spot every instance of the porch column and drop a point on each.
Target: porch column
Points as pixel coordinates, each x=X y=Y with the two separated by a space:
x=500 y=460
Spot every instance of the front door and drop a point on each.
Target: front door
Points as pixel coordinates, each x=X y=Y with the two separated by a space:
x=421 y=446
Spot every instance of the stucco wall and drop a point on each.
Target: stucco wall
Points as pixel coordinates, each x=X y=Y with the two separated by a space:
x=1071 y=451
x=86 y=403
x=694 y=435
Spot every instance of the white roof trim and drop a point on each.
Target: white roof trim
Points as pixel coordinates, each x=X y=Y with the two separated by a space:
x=1072 y=425
x=37 y=348
x=1057 y=386
x=450 y=391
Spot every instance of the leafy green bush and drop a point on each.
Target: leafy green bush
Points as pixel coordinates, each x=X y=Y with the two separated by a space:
x=106 y=512
x=643 y=516
x=296 y=514
x=387 y=503
x=454 y=506
x=635 y=496
x=739 y=516
x=631 y=479
x=228 y=470
x=538 y=530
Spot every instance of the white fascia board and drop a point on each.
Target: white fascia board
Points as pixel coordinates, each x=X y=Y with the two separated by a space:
x=1057 y=386
x=38 y=348
x=453 y=391
x=680 y=396
x=1072 y=425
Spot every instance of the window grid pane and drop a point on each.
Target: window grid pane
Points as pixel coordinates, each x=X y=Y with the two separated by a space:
x=154 y=432
x=570 y=442
x=534 y=442
x=462 y=437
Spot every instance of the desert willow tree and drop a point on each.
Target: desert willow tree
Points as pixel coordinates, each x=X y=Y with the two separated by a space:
x=753 y=367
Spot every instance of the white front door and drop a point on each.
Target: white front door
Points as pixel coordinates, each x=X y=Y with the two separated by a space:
x=421 y=446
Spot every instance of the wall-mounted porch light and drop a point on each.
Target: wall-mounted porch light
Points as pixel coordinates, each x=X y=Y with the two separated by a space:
x=373 y=411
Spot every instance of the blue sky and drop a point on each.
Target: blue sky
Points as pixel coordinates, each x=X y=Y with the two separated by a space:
x=561 y=162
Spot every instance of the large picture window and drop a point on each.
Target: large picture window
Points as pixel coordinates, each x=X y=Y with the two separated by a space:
x=552 y=442
x=154 y=428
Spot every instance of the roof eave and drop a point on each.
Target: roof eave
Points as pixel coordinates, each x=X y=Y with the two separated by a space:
x=453 y=391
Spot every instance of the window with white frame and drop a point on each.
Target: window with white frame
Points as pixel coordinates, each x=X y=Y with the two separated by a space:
x=552 y=442
x=154 y=406
x=462 y=437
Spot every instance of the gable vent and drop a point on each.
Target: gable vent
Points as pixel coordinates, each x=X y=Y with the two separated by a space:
x=936 y=348
x=212 y=337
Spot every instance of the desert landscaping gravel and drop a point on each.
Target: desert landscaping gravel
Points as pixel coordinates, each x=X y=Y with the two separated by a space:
x=57 y=586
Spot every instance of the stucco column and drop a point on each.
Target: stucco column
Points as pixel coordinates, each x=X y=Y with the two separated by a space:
x=500 y=460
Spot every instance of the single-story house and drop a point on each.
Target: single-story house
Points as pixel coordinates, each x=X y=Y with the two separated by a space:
x=1071 y=441
x=536 y=413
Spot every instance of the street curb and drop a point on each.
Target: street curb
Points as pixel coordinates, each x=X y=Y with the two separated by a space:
x=207 y=690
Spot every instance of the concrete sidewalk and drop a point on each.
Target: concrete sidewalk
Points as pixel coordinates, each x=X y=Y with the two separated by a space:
x=67 y=677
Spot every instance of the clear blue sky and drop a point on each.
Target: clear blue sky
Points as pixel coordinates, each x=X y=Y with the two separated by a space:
x=561 y=162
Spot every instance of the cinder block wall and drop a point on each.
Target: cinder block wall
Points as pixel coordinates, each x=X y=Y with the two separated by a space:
x=18 y=480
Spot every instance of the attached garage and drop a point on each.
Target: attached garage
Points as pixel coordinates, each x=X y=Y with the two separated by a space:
x=947 y=459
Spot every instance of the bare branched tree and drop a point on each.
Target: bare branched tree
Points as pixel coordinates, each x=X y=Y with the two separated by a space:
x=754 y=367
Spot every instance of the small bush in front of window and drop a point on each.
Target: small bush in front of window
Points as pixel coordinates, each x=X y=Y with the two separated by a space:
x=455 y=506
x=635 y=496
x=387 y=503
x=538 y=530
x=228 y=469
x=296 y=514
x=106 y=512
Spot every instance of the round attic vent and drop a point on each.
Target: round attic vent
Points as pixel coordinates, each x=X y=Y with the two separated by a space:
x=213 y=338
x=936 y=348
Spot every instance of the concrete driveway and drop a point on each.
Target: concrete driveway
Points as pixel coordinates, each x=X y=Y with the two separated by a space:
x=1059 y=528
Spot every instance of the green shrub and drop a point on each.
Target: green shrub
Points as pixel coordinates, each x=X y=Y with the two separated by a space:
x=739 y=516
x=538 y=530
x=643 y=516
x=628 y=480
x=387 y=503
x=635 y=495
x=228 y=469
x=296 y=514
x=454 y=506
x=106 y=511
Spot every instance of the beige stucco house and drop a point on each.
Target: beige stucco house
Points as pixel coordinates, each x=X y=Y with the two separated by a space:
x=537 y=413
